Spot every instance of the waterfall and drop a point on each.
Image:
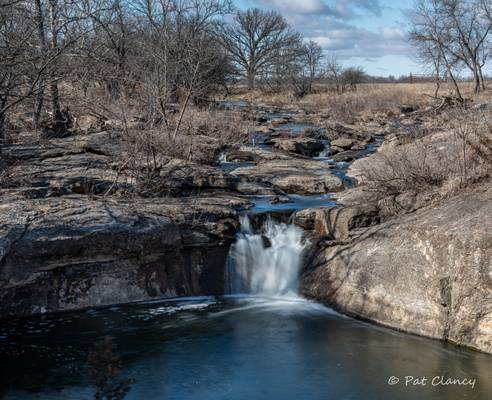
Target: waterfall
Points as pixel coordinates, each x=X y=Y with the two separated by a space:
x=265 y=263
x=325 y=153
x=223 y=157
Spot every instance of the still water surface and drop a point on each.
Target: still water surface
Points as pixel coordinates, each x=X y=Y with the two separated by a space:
x=235 y=348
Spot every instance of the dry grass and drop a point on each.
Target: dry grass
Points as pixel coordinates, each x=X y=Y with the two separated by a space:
x=201 y=137
x=351 y=105
x=438 y=165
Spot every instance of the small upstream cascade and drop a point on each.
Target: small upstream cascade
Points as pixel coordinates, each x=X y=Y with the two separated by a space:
x=265 y=263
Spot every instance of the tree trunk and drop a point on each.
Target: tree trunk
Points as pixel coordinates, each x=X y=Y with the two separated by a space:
x=449 y=70
x=438 y=79
x=438 y=86
x=2 y=133
x=456 y=87
x=3 y=103
x=476 y=79
x=183 y=109
x=42 y=41
x=482 y=80
x=251 y=79
x=55 y=97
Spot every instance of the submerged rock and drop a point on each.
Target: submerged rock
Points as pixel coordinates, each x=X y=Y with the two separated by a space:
x=346 y=156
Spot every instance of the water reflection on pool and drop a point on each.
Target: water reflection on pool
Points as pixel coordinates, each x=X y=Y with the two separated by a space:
x=235 y=348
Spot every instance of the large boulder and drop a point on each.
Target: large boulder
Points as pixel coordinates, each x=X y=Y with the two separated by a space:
x=339 y=131
x=337 y=222
x=293 y=175
x=345 y=143
x=428 y=273
x=70 y=252
x=56 y=174
x=301 y=145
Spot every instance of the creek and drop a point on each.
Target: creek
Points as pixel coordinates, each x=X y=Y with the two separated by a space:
x=259 y=341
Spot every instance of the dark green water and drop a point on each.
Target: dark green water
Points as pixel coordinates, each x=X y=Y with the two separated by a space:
x=234 y=349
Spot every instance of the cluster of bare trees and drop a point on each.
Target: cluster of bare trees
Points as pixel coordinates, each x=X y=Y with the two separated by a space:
x=158 y=50
x=162 y=54
x=451 y=36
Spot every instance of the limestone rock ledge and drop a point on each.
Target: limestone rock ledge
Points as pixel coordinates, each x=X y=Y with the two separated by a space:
x=70 y=252
x=427 y=273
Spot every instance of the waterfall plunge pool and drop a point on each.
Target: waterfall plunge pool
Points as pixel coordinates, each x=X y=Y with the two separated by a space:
x=268 y=345
x=239 y=348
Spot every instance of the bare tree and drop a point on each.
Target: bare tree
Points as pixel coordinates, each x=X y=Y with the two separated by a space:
x=313 y=54
x=430 y=37
x=334 y=73
x=429 y=55
x=109 y=46
x=457 y=31
x=468 y=30
x=255 y=39
x=16 y=62
x=178 y=54
x=43 y=53
x=353 y=76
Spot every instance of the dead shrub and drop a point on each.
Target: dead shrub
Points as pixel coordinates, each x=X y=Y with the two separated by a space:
x=201 y=137
x=473 y=138
x=405 y=168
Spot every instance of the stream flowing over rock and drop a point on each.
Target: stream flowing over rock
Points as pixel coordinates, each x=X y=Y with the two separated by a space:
x=266 y=262
x=428 y=273
x=65 y=245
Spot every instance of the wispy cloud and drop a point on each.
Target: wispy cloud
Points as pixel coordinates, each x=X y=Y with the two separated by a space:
x=342 y=9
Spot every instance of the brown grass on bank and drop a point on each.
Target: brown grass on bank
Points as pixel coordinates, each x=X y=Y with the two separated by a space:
x=202 y=135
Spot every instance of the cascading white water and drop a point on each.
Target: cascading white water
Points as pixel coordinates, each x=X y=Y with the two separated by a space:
x=266 y=263
x=325 y=152
x=222 y=157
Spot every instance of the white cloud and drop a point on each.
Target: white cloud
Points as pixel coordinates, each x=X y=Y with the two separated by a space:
x=299 y=6
x=349 y=41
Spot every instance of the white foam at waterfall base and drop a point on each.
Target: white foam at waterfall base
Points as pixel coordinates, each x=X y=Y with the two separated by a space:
x=265 y=263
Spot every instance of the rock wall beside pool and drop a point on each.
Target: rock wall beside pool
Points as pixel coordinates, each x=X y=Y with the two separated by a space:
x=428 y=272
x=71 y=252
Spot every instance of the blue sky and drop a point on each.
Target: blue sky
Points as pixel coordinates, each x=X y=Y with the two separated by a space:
x=367 y=33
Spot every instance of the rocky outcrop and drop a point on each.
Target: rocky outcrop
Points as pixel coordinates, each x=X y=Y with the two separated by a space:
x=70 y=252
x=179 y=177
x=92 y=165
x=293 y=175
x=337 y=222
x=428 y=273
